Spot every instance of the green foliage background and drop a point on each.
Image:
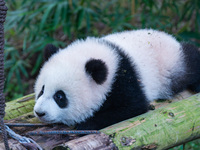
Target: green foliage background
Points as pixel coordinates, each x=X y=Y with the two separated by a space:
x=31 y=24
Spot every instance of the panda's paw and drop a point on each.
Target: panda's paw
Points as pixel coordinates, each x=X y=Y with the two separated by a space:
x=86 y=126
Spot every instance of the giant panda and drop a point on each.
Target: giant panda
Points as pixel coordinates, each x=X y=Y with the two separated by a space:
x=97 y=82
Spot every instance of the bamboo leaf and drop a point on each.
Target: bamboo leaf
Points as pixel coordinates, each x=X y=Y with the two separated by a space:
x=23 y=70
x=37 y=65
x=46 y=15
x=57 y=15
x=80 y=16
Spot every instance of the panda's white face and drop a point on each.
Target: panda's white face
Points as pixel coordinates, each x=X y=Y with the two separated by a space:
x=60 y=94
x=65 y=89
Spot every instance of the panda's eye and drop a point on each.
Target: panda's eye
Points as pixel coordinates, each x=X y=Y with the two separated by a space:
x=60 y=99
x=41 y=92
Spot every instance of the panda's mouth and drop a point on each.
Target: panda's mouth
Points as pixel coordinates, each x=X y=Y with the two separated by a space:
x=46 y=120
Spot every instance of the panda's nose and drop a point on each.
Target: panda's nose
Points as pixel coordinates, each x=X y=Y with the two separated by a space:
x=40 y=114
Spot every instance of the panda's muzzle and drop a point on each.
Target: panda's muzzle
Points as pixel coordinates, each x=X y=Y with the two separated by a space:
x=40 y=114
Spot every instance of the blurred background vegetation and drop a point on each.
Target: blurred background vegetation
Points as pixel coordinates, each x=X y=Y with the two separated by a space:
x=31 y=24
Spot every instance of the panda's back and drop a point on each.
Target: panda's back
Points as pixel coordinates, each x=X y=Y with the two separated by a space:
x=157 y=56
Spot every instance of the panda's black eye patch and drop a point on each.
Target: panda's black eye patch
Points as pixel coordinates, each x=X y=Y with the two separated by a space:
x=60 y=99
x=41 y=92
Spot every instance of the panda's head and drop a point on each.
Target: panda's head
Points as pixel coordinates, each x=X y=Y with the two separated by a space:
x=73 y=82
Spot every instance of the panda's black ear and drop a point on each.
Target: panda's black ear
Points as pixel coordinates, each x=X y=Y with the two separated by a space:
x=49 y=50
x=97 y=69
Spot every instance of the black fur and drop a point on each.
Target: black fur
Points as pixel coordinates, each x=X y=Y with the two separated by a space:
x=191 y=79
x=49 y=50
x=41 y=92
x=192 y=59
x=97 y=69
x=60 y=99
x=126 y=99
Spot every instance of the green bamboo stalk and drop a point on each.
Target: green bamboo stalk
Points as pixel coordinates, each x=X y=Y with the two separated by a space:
x=162 y=128
x=19 y=107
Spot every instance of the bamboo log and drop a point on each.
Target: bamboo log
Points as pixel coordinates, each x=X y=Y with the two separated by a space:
x=162 y=128
x=24 y=105
x=19 y=107
x=94 y=142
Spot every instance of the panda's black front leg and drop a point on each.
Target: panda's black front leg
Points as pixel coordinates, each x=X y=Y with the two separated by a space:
x=111 y=116
x=87 y=125
x=94 y=123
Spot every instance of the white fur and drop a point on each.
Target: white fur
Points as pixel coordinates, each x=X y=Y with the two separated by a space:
x=66 y=71
x=156 y=56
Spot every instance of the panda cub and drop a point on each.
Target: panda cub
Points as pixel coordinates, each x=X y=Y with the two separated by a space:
x=97 y=82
